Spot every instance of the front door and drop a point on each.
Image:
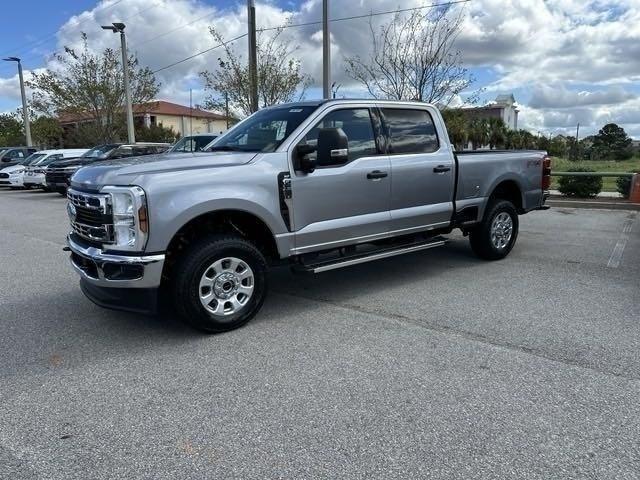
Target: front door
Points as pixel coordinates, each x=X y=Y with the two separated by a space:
x=343 y=204
x=423 y=170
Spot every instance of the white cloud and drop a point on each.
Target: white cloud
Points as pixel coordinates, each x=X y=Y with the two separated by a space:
x=577 y=60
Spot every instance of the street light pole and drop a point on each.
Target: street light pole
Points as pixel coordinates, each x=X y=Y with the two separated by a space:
x=119 y=28
x=25 y=111
x=326 y=51
x=253 y=56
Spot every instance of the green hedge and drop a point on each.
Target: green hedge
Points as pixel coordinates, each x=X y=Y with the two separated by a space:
x=623 y=185
x=582 y=187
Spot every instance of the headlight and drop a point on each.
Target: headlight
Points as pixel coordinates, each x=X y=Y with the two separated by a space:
x=130 y=221
x=18 y=171
x=71 y=169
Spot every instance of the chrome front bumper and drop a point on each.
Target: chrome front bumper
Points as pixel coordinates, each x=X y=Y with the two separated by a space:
x=115 y=271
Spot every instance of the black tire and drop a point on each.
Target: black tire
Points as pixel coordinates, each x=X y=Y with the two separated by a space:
x=480 y=237
x=189 y=270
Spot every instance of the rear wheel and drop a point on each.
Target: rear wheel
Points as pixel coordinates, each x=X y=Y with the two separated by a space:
x=220 y=284
x=494 y=238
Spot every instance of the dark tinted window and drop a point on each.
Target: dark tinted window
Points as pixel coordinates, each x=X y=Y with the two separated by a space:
x=356 y=124
x=410 y=131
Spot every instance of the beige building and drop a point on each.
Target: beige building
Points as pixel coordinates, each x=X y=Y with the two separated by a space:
x=183 y=120
x=503 y=107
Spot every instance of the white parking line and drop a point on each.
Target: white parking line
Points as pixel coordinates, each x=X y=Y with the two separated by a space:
x=618 y=250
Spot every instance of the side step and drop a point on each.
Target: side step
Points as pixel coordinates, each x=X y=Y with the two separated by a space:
x=370 y=256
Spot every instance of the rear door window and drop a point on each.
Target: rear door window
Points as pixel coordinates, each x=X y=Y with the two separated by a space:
x=410 y=131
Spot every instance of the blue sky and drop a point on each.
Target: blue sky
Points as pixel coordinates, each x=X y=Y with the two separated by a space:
x=566 y=61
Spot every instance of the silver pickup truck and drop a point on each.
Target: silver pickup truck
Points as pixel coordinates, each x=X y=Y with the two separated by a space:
x=316 y=185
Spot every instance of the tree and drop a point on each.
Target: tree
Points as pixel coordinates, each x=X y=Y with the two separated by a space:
x=46 y=132
x=280 y=78
x=156 y=133
x=478 y=132
x=91 y=85
x=413 y=58
x=497 y=132
x=11 y=131
x=612 y=142
x=457 y=127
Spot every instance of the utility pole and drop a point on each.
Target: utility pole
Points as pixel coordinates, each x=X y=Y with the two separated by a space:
x=226 y=108
x=577 y=133
x=190 y=111
x=119 y=28
x=253 y=56
x=326 y=51
x=25 y=109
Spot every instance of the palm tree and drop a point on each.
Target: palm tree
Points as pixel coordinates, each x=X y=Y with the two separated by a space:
x=478 y=132
x=497 y=132
x=457 y=125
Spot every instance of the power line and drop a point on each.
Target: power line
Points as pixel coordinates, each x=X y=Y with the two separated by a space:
x=353 y=17
x=40 y=41
x=176 y=29
x=85 y=21
x=200 y=53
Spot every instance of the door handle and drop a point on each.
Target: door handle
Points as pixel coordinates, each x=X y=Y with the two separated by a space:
x=441 y=169
x=376 y=175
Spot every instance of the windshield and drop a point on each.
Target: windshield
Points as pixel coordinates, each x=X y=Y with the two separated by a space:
x=33 y=158
x=192 y=144
x=101 y=151
x=263 y=131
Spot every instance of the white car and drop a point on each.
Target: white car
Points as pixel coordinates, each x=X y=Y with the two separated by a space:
x=33 y=174
x=12 y=176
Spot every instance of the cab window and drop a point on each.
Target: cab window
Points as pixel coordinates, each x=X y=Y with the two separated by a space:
x=410 y=131
x=357 y=125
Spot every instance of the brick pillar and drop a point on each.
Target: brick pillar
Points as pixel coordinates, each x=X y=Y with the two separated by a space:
x=634 y=194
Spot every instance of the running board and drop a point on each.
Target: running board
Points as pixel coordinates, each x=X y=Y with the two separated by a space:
x=371 y=256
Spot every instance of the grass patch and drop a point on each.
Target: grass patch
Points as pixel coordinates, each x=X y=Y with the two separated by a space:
x=609 y=183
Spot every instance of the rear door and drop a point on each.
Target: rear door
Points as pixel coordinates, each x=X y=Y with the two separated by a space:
x=422 y=169
x=348 y=203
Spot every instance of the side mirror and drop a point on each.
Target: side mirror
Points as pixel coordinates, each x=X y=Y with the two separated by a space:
x=333 y=147
x=302 y=162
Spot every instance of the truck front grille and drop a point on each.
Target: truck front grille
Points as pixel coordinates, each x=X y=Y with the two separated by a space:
x=91 y=216
x=57 y=175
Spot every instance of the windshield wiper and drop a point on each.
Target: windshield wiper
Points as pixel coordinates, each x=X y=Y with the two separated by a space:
x=226 y=148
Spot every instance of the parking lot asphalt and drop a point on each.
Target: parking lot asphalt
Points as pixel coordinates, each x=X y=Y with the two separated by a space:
x=430 y=365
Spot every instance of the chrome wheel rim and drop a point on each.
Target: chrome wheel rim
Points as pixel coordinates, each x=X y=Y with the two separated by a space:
x=501 y=230
x=226 y=287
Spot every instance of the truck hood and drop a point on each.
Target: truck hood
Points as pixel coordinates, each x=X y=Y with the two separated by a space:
x=124 y=171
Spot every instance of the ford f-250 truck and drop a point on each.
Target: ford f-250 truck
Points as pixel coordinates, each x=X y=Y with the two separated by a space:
x=318 y=185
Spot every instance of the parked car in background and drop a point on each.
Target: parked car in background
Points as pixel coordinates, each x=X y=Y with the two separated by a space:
x=12 y=176
x=193 y=143
x=33 y=174
x=318 y=185
x=58 y=173
x=13 y=155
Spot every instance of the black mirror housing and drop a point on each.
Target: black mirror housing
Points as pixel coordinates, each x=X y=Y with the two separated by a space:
x=302 y=162
x=333 y=147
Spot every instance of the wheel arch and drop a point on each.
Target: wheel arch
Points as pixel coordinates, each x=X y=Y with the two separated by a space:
x=508 y=188
x=240 y=222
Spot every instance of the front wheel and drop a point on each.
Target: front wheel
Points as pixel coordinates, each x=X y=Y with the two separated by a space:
x=220 y=284
x=494 y=238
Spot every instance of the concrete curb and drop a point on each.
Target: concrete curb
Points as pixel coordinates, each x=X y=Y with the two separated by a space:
x=594 y=204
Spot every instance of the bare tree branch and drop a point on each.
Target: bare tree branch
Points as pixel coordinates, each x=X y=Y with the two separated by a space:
x=413 y=58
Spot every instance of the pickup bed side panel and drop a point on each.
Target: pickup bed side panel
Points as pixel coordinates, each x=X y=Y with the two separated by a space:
x=251 y=188
x=481 y=172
